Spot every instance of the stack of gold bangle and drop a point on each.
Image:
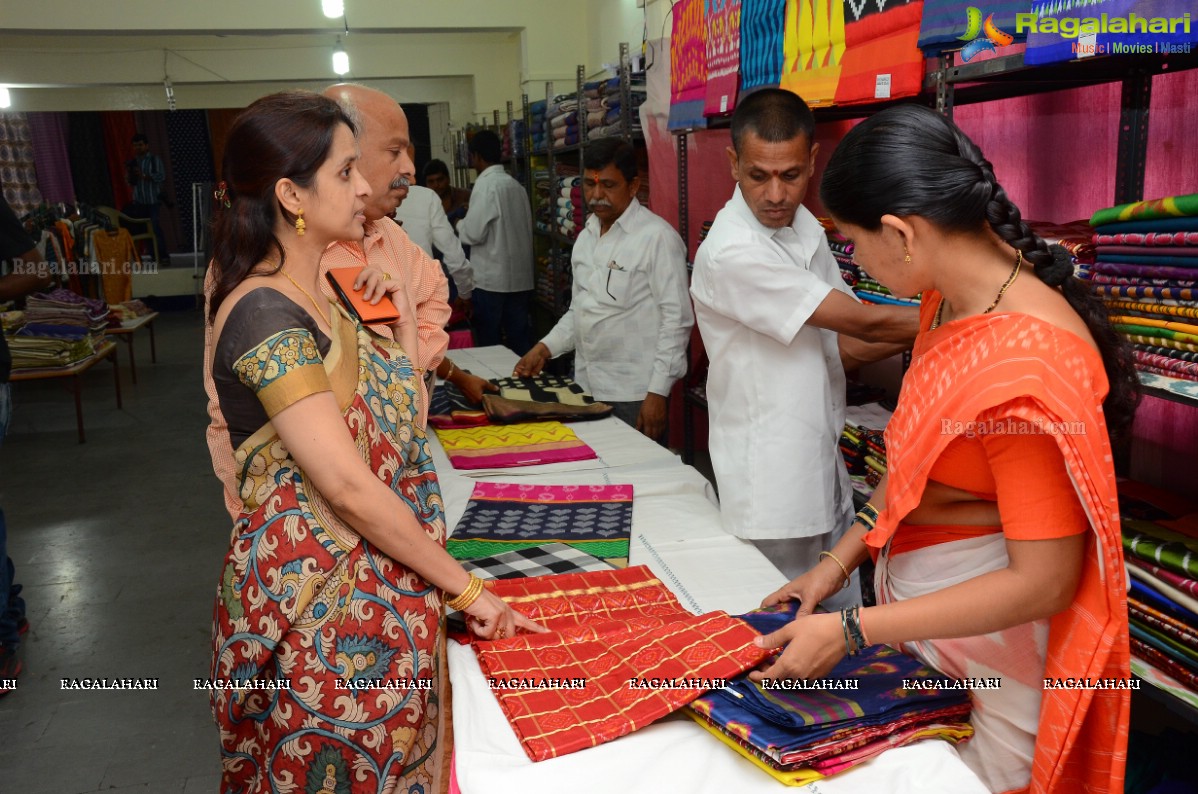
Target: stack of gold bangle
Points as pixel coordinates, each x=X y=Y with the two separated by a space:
x=467 y=596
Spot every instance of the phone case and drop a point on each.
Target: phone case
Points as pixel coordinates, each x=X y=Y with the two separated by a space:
x=342 y=280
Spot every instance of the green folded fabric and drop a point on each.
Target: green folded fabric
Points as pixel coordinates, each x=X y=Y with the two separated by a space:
x=1170 y=550
x=1169 y=207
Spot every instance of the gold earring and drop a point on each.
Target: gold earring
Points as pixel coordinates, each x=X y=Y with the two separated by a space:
x=300 y=226
x=906 y=257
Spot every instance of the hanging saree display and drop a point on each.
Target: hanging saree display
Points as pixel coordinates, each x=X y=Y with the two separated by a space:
x=304 y=604
x=622 y=652
x=762 y=27
x=723 y=21
x=813 y=49
x=881 y=58
x=596 y=519
x=688 y=66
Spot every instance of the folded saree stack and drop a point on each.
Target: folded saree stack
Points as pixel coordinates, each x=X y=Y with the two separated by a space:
x=867 y=704
x=864 y=453
x=1160 y=542
x=1147 y=273
x=621 y=653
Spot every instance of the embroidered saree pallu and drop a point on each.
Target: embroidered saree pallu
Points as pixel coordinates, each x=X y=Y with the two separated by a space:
x=501 y=517
x=622 y=653
x=508 y=446
x=304 y=602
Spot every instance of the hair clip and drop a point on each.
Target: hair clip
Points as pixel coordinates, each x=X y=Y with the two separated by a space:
x=221 y=194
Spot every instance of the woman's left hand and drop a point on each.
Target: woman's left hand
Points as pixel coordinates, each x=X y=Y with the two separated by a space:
x=814 y=644
x=377 y=283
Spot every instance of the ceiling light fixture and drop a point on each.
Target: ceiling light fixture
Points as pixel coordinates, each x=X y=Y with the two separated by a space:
x=5 y=97
x=170 y=93
x=340 y=59
x=333 y=8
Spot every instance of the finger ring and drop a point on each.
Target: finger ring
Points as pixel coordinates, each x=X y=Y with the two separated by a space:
x=386 y=277
x=501 y=633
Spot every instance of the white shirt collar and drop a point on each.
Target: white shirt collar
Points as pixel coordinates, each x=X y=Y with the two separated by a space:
x=493 y=168
x=805 y=226
x=625 y=221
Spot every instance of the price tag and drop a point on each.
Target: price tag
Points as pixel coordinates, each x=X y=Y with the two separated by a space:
x=724 y=103
x=882 y=87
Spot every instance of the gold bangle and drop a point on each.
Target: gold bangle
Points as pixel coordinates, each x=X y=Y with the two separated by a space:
x=449 y=374
x=843 y=569
x=467 y=596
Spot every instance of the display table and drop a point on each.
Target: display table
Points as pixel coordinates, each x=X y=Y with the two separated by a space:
x=676 y=532
x=105 y=350
x=125 y=333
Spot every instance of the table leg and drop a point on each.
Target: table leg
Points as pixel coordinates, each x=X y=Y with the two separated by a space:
x=153 y=350
x=128 y=340
x=77 y=389
x=116 y=375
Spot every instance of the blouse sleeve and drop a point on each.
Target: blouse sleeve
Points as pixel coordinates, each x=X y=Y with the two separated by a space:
x=273 y=350
x=1036 y=498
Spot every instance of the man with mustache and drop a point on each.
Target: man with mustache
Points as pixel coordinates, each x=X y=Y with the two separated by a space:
x=629 y=317
x=382 y=133
x=498 y=229
x=780 y=327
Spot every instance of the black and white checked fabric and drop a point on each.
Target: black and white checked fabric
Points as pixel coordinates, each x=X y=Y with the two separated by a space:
x=535 y=561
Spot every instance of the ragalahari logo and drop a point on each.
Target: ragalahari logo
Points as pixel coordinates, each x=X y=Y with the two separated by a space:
x=991 y=38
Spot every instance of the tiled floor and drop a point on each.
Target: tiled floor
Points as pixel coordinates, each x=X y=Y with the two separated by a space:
x=118 y=545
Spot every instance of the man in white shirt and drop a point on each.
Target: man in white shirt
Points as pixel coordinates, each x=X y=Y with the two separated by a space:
x=630 y=316
x=421 y=216
x=776 y=320
x=498 y=228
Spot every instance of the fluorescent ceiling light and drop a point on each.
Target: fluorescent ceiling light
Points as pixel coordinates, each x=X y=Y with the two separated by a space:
x=340 y=60
x=333 y=9
x=5 y=97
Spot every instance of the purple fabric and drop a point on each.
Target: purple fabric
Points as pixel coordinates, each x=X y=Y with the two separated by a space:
x=1143 y=271
x=48 y=131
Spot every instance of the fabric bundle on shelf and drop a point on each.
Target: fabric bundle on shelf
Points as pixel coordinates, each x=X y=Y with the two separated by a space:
x=536 y=124
x=801 y=735
x=688 y=65
x=503 y=517
x=1160 y=543
x=723 y=19
x=1146 y=270
x=864 y=286
x=63 y=307
x=762 y=27
x=813 y=49
x=881 y=57
x=608 y=629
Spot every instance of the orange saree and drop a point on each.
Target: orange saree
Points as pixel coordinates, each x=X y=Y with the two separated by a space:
x=1021 y=369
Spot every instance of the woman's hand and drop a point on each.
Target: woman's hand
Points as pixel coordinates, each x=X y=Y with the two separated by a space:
x=814 y=644
x=375 y=283
x=473 y=387
x=810 y=588
x=491 y=618
x=378 y=283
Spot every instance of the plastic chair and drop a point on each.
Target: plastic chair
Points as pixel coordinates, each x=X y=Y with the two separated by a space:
x=120 y=220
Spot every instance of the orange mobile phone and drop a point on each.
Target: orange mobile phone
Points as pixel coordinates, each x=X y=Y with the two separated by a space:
x=342 y=280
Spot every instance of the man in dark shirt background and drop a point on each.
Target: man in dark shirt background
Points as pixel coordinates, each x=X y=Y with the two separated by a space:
x=146 y=174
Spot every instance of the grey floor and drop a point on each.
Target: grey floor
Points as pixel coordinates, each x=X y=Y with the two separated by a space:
x=118 y=545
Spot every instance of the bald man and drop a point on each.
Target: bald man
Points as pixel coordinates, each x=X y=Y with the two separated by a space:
x=386 y=165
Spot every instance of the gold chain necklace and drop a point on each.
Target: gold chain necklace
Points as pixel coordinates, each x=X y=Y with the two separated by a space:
x=1002 y=291
x=315 y=305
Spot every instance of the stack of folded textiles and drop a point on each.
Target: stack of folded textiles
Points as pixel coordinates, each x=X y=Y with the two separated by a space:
x=561 y=122
x=1160 y=544
x=129 y=310
x=864 y=452
x=605 y=106
x=513 y=139
x=569 y=216
x=1147 y=272
x=862 y=708
x=536 y=124
x=63 y=307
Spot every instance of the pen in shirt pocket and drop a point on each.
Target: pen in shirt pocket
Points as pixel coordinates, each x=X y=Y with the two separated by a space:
x=612 y=266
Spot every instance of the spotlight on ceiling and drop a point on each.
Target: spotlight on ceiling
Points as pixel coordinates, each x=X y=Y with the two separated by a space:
x=340 y=59
x=333 y=9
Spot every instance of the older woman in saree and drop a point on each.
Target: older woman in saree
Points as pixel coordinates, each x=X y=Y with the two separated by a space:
x=329 y=614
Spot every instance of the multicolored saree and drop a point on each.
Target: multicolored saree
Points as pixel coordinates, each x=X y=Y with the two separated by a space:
x=1013 y=366
x=305 y=604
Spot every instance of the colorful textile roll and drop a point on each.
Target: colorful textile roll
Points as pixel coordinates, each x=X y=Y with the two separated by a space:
x=762 y=25
x=1177 y=239
x=1156 y=209
x=723 y=56
x=813 y=49
x=607 y=629
x=1123 y=307
x=881 y=57
x=688 y=65
x=1178 y=629
x=1163 y=261
x=1146 y=652
x=1145 y=271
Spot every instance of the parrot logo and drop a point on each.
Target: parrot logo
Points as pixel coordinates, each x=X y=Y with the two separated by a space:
x=990 y=36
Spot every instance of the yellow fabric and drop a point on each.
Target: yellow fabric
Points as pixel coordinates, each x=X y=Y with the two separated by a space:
x=813 y=47
x=800 y=777
x=501 y=436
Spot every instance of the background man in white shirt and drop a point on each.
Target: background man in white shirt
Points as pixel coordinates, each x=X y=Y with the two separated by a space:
x=629 y=316
x=780 y=327
x=498 y=228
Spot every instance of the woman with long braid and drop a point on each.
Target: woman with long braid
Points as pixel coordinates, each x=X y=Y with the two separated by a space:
x=996 y=530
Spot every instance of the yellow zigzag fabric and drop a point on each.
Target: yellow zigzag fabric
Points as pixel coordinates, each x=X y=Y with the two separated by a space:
x=503 y=436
